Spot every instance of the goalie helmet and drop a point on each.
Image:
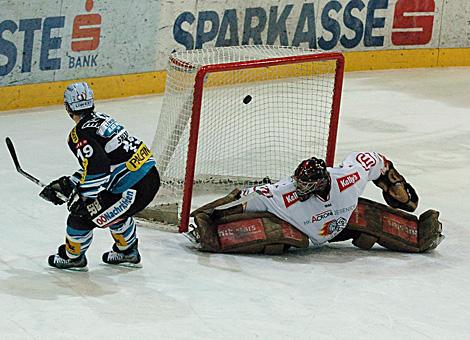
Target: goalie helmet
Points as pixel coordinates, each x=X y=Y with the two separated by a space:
x=311 y=177
x=78 y=97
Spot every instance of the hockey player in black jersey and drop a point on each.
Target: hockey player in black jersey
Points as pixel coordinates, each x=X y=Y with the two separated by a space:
x=117 y=179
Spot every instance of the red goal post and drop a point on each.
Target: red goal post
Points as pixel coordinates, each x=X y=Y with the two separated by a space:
x=284 y=68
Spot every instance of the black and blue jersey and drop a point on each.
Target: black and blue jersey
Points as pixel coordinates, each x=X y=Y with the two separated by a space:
x=110 y=158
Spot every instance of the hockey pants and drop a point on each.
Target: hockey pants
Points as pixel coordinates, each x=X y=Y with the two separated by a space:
x=79 y=233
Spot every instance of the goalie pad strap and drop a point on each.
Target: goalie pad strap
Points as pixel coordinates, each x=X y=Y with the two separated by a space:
x=248 y=233
x=209 y=207
x=394 y=229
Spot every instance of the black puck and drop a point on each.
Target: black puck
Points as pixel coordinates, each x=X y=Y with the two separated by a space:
x=247 y=99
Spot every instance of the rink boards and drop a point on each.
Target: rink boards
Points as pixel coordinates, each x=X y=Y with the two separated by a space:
x=122 y=49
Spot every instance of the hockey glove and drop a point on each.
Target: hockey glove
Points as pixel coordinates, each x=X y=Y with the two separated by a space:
x=411 y=197
x=82 y=207
x=62 y=185
x=397 y=192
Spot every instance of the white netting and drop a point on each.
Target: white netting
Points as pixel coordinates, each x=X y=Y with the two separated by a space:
x=242 y=140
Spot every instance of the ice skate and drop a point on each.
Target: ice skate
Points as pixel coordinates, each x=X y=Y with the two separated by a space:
x=193 y=235
x=128 y=258
x=61 y=261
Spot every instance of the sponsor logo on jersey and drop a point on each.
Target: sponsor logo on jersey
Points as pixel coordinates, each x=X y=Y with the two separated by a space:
x=81 y=144
x=117 y=209
x=347 y=181
x=290 y=198
x=74 y=135
x=116 y=141
x=345 y=210
x=141 y=156
x=333 y=227
x=318 y=217
x=321 y=216
x=92 y=123
x=366 y=160
x=109 y=128
x=94 y=208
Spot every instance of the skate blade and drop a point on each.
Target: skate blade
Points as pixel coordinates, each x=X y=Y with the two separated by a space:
x=82 y=269
x=125 y=265
x=74 y=269
x=191 y=238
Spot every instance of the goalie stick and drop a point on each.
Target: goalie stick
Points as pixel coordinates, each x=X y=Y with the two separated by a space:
x=14 y=157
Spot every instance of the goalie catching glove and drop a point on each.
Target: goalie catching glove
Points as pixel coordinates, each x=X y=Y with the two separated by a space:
x=396 y=191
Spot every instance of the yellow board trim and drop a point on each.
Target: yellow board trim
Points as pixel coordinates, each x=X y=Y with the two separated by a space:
x=43 y=94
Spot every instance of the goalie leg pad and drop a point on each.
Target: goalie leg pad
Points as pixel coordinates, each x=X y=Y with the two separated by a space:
x=393 y=229
x=207 y=232
x=365 y=241
x=247 y=233
x=360 y=238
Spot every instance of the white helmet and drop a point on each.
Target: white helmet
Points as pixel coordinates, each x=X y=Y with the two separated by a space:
x=79 y=96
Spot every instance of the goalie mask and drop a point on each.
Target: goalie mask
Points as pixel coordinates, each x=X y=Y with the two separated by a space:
x=311 y=177
x=78 y=97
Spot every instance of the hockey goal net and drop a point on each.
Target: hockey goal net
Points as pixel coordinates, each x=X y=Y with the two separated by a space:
x=236 y=116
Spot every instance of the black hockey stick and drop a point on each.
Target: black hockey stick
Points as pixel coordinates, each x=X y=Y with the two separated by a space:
x=13 y=155
x=11 y=148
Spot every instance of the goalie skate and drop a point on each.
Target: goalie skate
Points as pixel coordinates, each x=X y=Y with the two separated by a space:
x=193 y=235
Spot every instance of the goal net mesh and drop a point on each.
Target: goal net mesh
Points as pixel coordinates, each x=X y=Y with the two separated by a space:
x=256 y=120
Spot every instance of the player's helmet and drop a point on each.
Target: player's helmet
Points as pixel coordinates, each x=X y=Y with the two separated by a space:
x=78 y=97
x=311 y=177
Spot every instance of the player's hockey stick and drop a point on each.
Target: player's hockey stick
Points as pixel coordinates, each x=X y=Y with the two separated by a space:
x=11 y=148
x=13 y=155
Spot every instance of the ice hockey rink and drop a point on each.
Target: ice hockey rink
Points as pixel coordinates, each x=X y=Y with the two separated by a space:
x=418 y=118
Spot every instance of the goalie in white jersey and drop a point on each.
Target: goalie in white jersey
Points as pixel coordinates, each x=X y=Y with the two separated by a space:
x=318 y=204
x=335 y=190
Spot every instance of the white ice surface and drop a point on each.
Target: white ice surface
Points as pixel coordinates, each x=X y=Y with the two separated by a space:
x=420 y=119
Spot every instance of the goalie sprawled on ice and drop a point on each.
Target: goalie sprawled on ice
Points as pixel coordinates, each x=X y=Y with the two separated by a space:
x=319 y=204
